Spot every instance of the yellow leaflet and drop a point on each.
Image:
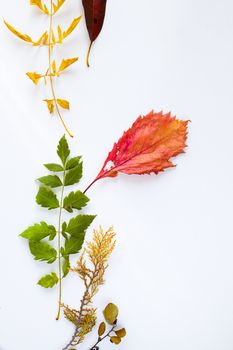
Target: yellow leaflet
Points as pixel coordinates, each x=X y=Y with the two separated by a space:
x=60 y=35
x=57 y=6
x=24 y=37
x=39 y=4
x=35 y=77
x=54 y=67
x=72 y=26
x=53 y=37
x=63 y=103
x=42 y=40
x=66 y=63
x=50 y=105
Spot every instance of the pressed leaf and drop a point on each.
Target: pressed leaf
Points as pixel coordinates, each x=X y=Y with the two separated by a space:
x=66 y=63
x=75 y=200
x=47 y=198
x=24 y=37
x=71 y=27
x=52 y=181
x=63 y=150
x=50 y=105
x=43 y=251
x=54 y=67
x=35 y=77
x=72 y=162
x=115 y=340
x=94 y=15
x=48 y=281
x=111 y=313
x=74 y=244
x=60 y=34
x=63 y=103
x=38 y=231
x=79 y=224
x=147 y=146
x=56 y=168
x=74 y=175
x=102 y=329
x=121 y=332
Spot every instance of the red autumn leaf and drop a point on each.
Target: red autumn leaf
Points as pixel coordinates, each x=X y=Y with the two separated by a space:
x=146 y=147
x=94 y=15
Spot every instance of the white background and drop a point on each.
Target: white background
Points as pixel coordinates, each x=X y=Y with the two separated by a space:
x=171 y=273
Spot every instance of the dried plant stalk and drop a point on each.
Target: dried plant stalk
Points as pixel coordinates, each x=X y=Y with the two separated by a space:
x=98 y=252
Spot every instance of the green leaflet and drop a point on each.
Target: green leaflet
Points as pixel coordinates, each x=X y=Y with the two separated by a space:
x=51 y=181
x=56 y=168
x=72 y=162
x=48 y=281
x=43 y=251
x=46 y=198
x=39 y=231
x=74 y=244
x=74 y=175
x=63 y=150
x=79 y=224
x=75 y=200
x=66 y=267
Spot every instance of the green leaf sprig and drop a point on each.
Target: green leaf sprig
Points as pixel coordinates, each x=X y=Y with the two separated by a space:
x=70 y=236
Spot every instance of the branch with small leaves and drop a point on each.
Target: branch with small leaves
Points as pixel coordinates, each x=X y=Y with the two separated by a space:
x=50 y=39
x=98 y=252
x=73 y=232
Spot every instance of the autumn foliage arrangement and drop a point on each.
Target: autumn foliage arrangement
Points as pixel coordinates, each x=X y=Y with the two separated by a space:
x=147 y=147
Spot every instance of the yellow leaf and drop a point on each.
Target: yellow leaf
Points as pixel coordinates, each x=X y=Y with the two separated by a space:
x=102 y=329
x=63 y=103
x=24 y=37
x=72 y=26
x=50 y=105
x=45 y=39
x=54 y=67
x=46 y=10
x=66 y=63
x=115 y=340
x=60 y=35
x=121 y=333
x=35 y=77
x=110 y=313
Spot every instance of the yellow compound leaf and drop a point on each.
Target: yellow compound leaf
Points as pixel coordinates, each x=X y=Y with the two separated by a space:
x=60 y=34
x=102 y=329
x=72 y=26
x=24 y=37
x=35 y=77
x=50 y=105
x=63 y=103
x=57 y=6
x=121 y=333
x=115 y=340
x=66 y=63
x=110 y=313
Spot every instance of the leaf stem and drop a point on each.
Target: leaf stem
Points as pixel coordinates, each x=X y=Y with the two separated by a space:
x=59 y=248
x=50 y=45
x=88 y=54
